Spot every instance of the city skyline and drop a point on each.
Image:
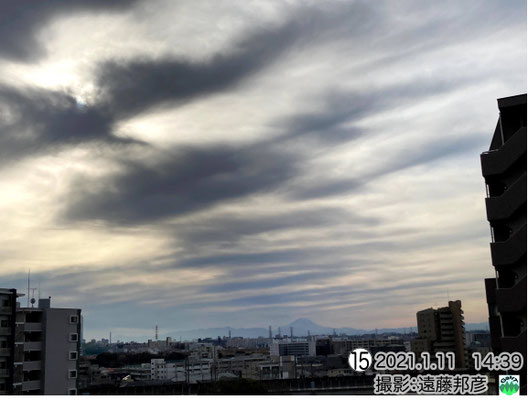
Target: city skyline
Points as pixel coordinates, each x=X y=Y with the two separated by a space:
x=212 y=164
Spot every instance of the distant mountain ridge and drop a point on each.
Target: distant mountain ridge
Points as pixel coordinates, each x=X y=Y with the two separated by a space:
x=300 y=327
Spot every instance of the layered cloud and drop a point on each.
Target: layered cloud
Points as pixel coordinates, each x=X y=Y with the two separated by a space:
x=197 y=164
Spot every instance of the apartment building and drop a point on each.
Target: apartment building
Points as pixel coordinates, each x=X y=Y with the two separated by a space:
x=42 y=347
x=504 y=171
x=8 y=298
x=442 y=330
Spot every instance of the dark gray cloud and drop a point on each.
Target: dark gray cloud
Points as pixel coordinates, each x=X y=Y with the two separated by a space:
x=132 y=87
x=128 y=88
x=191 y=179
x=35 y=120
x=183 y=181
x=22 y=20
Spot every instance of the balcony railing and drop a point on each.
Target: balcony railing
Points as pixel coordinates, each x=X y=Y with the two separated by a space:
x=5 y=352
x=495 y=162
x=30 y=385
x=509 y=251
x=32 y=346
x=31 y=365
x=508 y=299
x=5 y=331
x=505 y=205
x=33 y=327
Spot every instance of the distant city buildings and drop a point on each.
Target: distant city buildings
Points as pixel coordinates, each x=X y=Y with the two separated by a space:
x=189 y=371
x=346 y=345
x=39 y=347
x=442 y=330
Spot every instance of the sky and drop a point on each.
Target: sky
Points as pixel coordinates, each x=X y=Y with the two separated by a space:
x=198 y=164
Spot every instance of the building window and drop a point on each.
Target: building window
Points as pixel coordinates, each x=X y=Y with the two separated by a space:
x=74 y=319
x=72 y=391
x=74 y=337
x=72 y=373
x=73 y=355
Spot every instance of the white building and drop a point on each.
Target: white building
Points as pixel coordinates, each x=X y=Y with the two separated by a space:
x=181 y=371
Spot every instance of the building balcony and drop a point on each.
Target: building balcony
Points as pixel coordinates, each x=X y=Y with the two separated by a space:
x=33 y=327
x=496 y=162
x=512 y=299
x=5 y=331
x=5 y=352
x=495 y=332
x=30 y=385
x=503 y=207
x=32 y=346
x=31 y=365
x=491 y=285
x=509 y=251
x=514 y=343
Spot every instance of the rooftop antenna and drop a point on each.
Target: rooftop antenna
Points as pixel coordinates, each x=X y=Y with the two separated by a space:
x=270 y=331
x=309 y=335
x=110 y=337
x=448 y=295
x=32 y=301
x=291 y=332
x=279 y=331
x=156 y=332
x=29 y=276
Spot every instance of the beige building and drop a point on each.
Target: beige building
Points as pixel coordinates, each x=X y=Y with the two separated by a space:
x=442 y=330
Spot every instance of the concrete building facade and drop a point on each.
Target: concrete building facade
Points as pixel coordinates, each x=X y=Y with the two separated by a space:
x=504 y=170
x=8 y=299
x=442 y=330
x=43 y=347
x=289 y=347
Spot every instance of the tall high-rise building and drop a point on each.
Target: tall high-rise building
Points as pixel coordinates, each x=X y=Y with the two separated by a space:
x=504 y=170
x=39 y=347
x=7 y=338
x=442 y=330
